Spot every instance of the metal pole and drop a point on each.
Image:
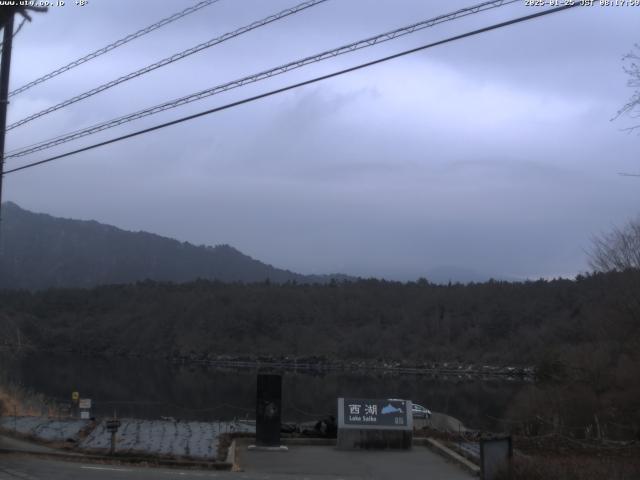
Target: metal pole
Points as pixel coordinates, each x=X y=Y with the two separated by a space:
x=5 y=66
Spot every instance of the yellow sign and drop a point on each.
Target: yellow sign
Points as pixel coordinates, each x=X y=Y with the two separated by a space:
x=75 y=396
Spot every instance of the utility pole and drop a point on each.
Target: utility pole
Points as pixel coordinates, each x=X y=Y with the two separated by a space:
x=5 y=66
x=7 y=15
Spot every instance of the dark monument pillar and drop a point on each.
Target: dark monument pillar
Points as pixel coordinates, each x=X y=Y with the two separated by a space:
x=268 y=410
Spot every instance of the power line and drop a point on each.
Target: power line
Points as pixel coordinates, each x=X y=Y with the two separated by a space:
x=328 y=54
x=114 y=45
x=169 y=60
x=19 y=27
x=16 y=32
x=297 y=85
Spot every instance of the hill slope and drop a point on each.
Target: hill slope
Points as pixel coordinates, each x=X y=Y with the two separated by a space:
x=40 y=251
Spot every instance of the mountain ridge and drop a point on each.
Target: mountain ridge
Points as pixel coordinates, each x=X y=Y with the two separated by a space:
x=38 y=251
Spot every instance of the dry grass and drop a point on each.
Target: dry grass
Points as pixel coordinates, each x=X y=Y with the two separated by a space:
x=224 y=442
x=575 y=467
x=16 y=400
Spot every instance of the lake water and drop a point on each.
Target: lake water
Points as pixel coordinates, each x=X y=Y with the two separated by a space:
x=151 y=389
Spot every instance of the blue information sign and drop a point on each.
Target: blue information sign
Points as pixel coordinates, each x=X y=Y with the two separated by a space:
x=374 y=413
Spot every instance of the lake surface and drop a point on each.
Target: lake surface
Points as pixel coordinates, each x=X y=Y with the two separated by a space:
x=151 y=389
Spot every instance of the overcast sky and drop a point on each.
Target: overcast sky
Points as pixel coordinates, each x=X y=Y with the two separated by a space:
x=495 y=153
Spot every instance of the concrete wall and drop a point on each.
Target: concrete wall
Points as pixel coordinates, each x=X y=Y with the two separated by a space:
x=351 y=439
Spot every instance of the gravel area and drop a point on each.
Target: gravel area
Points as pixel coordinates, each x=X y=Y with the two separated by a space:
x=47 y=429
x=471 y=448
x=164 y=437
x=161 y=437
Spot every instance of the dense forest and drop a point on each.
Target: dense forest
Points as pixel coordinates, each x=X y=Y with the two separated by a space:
x=594 y=319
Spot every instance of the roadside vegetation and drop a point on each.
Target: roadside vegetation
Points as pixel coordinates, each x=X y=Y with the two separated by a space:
x=18 y=401
x=568 y=466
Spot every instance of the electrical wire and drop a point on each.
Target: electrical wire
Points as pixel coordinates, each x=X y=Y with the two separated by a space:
x=328 y=54
x=169 y=60
x=114 y=45
x=16 y=32
x=298 y=85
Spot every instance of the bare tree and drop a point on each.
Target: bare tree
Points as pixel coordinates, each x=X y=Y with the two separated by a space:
x=631 y=66
x=617 y=250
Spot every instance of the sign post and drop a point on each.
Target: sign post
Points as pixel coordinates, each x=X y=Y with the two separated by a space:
x=112 y=427
x=374 y=423
x=75 y=398
x=85 y=408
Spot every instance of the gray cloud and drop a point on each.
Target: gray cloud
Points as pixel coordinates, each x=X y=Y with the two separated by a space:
x=495 y=153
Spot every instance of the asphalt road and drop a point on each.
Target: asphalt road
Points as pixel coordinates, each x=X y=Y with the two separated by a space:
x=309 y=464
x=17 y=467
x=23 y=446
x=328 y=462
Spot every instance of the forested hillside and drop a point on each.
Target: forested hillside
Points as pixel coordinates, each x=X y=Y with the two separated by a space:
x=38 y=251
x=592 y=322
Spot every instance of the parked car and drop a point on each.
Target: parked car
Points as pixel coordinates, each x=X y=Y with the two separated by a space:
x=419 y=411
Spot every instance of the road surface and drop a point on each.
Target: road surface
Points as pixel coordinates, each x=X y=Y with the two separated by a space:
x=18 y=467
x=367 y=466
x=314 y=462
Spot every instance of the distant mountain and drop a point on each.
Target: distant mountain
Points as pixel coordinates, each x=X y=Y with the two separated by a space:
x=39 y=251
x=449 y=273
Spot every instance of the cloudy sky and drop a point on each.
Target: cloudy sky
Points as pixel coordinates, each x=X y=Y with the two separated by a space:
x=495 y=153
